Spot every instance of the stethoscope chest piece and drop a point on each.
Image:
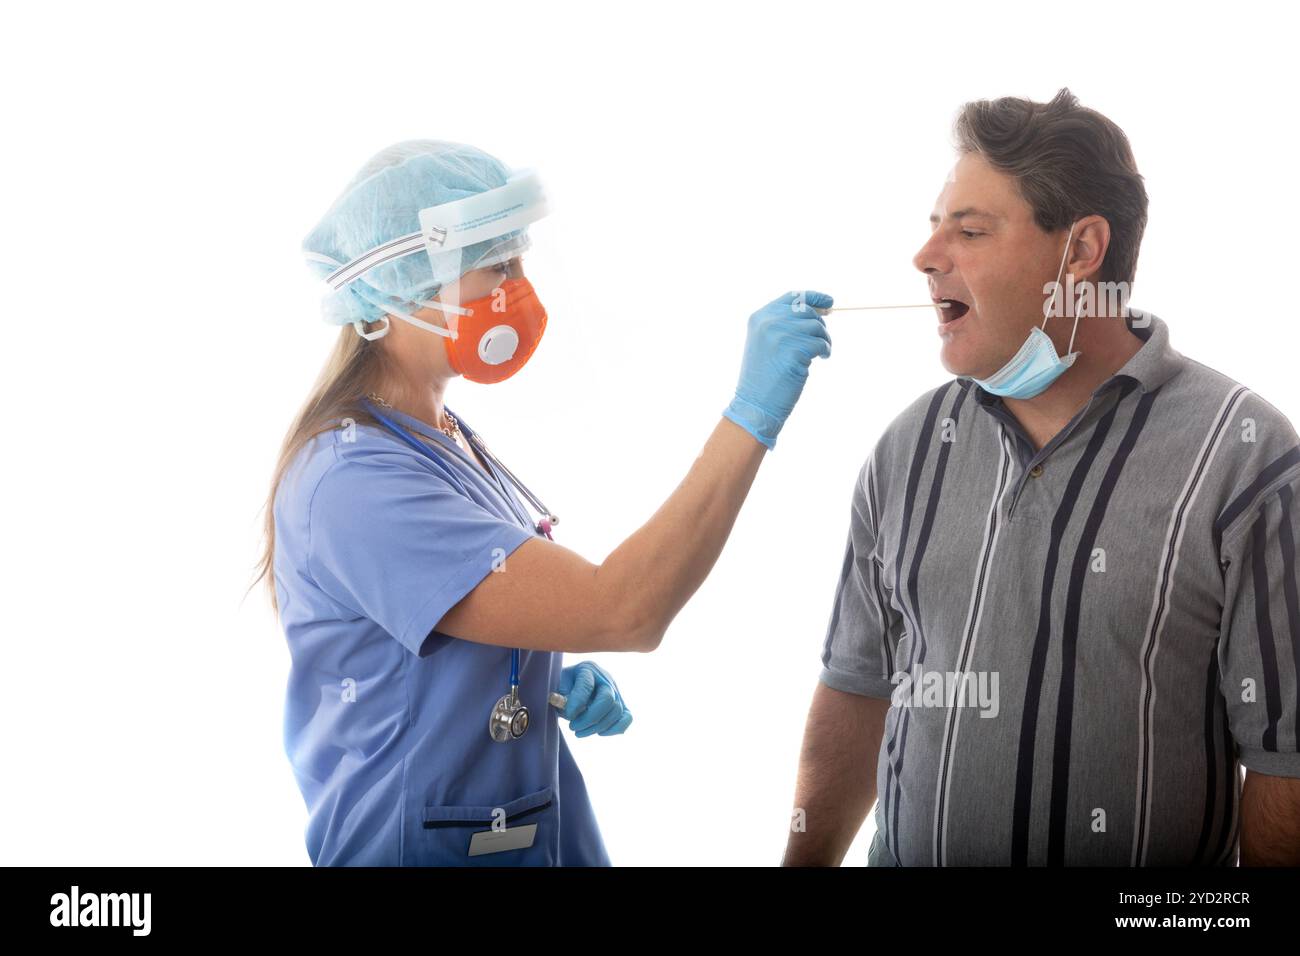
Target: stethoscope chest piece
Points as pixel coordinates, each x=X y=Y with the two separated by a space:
x=509 y=718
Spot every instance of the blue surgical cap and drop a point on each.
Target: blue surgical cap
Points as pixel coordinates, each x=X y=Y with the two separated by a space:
x=383 y=202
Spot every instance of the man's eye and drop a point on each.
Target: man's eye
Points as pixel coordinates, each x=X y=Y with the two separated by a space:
x=970 y=235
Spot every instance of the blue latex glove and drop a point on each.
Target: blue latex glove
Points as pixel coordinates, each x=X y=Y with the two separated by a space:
x=594 y=704
x=784 y=337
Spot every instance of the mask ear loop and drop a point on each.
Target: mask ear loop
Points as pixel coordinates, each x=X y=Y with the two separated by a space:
x=359 y=326
x=1070 y=348
x=406 y=317
x=453 y=313
x=1056 y=287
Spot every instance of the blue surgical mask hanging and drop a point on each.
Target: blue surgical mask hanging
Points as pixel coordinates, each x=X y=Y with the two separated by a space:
x=1036 y=366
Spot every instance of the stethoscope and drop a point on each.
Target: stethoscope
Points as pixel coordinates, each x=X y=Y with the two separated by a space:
x=509 y=718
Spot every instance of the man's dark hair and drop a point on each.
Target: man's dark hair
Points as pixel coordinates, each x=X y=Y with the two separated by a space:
x=1069 y=162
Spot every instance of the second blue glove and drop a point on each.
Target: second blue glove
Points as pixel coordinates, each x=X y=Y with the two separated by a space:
x=594 y=704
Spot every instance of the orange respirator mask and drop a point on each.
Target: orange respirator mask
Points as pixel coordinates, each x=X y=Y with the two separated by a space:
x=498 y=333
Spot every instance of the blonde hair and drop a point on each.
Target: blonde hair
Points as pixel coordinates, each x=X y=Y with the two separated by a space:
x=354 y=368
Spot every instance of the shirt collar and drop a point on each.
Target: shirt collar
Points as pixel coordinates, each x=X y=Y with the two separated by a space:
x=1150 y=367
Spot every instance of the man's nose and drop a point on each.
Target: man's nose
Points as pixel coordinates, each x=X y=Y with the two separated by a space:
x=931 y=257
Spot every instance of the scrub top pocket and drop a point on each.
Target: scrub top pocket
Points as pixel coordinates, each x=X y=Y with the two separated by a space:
x=448 y=833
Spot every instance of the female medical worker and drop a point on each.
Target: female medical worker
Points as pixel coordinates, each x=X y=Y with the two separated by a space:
x=417 y=719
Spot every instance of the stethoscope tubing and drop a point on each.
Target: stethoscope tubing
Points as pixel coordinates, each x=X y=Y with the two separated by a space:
x=542 y=527
x=478 y=443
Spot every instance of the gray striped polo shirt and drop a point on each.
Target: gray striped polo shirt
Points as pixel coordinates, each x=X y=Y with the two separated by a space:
x=1082 y=644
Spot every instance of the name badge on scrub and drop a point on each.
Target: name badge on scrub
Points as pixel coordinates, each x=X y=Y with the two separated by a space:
x=496 y=841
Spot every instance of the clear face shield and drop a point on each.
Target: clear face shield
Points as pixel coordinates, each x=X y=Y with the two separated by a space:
x=479 y=299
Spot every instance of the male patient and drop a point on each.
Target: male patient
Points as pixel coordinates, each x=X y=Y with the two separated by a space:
x=1067 y=615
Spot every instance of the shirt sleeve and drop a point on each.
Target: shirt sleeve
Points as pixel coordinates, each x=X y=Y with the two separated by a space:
x=1259 y=643
x=864 y=630
x=401 y=545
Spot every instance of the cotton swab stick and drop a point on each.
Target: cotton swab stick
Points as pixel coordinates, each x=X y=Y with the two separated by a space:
x=919 y=305
x=860 y=308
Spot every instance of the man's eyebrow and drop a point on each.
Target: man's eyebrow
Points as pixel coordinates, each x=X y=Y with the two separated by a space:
x=968 y=211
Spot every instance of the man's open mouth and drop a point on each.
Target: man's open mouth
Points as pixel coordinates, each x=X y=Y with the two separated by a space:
x=956 y=309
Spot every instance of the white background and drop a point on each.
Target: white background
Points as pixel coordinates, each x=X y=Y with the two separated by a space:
x=162 y=165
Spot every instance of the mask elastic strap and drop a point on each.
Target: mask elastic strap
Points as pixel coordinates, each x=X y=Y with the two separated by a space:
x=444 y=307
x=389 y=309
x=1070 y=348
x=1057 y=285
x=427 y=326
x=359 y=326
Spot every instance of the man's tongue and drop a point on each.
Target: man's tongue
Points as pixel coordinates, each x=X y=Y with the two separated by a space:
x=955 y=310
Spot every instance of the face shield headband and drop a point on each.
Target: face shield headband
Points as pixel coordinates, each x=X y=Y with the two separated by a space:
x=448 y=228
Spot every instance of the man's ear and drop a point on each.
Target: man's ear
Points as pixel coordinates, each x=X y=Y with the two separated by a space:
x=1088 y=248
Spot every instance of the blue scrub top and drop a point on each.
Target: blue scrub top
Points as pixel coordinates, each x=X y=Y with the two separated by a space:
x=386 y=720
